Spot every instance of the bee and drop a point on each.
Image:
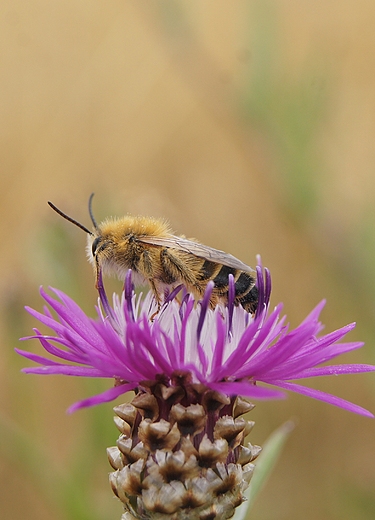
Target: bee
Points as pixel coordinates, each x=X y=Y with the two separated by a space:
x=163 y=260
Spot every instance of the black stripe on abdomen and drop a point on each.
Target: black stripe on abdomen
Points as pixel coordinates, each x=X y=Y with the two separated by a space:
x=221 y=279
x=207 y=270
x=243 y=284
x=250 y=300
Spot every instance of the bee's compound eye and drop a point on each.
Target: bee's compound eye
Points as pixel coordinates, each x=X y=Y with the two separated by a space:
x=95 y=245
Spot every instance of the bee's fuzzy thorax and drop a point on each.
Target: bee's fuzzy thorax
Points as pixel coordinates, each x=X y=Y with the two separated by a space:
x=146 y=226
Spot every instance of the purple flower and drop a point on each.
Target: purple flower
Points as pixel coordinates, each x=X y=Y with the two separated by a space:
x=181 y=451
x=225 y=349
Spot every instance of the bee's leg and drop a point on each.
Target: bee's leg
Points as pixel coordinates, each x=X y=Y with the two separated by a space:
x=157 y=298
x=182 y=268
x=177 y=268
x=172 y=267
x=155 y=291
x=145 y=267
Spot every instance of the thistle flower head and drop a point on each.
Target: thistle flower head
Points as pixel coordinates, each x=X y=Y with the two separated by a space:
x=180 y=453
x=224 y=349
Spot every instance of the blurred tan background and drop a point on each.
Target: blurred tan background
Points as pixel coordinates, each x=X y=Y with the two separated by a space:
x=250 y=125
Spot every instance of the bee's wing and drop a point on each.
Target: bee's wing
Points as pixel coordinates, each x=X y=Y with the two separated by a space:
x=194 y=248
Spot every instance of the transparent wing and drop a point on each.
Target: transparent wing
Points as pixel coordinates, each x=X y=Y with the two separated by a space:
x=194 y=248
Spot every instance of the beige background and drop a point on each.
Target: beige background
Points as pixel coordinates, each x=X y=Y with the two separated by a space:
x=249 y=125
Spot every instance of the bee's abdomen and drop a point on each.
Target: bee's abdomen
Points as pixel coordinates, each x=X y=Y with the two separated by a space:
x=207 y=271
x=249 y=301
x=221 y=280
x=246 y=293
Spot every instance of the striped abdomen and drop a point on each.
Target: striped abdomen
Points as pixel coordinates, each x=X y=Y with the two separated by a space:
x=246 y=293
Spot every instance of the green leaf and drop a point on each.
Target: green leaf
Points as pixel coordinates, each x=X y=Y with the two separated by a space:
x=265 y=463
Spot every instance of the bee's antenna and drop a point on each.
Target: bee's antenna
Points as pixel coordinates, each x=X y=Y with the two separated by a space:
x=70 y=219
x=91 y=213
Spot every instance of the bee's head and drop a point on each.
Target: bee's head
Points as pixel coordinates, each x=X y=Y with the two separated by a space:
x=102 y=247
x=97 y=247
